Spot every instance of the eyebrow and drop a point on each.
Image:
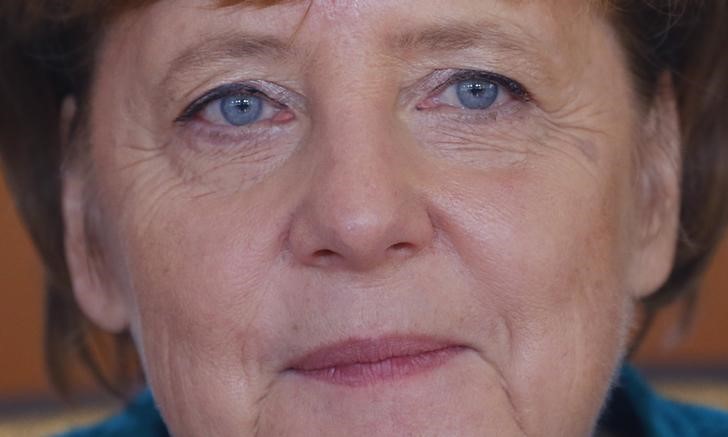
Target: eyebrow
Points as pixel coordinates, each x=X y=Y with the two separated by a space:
x=226 y=46
x=460 y=35
x=505 y=45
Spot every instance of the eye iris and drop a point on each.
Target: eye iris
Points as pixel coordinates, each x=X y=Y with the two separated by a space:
x=241 y=109
x=477 y=94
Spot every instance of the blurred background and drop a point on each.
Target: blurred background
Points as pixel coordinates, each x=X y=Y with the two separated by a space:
x=692 y=366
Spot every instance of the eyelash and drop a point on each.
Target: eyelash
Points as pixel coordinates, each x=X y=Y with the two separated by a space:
x=514 y=89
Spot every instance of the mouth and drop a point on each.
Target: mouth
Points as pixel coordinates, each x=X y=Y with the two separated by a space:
x=363 y=362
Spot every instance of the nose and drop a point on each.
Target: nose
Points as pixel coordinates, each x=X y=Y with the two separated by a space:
x=362 y=209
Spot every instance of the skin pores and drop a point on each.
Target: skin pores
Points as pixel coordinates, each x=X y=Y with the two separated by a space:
x=365 y=209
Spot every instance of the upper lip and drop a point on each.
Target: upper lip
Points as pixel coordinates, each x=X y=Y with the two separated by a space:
x=368 y=350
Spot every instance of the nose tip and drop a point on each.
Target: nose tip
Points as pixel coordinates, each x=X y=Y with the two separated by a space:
x=375 y=240
x=363 y=236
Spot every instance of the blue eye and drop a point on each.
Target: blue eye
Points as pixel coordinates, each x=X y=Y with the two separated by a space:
x=477 y=93
x=242 y=109
x=236 y=106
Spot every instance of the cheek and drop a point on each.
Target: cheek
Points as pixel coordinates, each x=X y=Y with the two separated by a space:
x=205 y=268
x=546 y=249
x=199 y=271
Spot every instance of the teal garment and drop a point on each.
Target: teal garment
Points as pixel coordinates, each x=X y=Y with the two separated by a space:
x=139 y=419
x=632 y=410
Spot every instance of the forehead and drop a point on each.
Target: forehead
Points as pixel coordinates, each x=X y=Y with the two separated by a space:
x=174 y=27
x=340 y=10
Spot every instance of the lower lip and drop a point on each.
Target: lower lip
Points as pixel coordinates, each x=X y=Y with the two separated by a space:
x=389 y=369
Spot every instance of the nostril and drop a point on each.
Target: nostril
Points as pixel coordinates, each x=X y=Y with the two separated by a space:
x=399 y=247
x=324 y=253
x=324 y=257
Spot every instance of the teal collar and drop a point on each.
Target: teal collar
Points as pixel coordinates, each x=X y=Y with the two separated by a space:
x=634 y=409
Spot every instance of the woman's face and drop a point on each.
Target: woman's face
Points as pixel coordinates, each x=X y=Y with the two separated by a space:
x=370 y=218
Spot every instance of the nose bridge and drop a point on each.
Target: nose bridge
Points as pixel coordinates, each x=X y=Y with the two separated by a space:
x=361 y=158
x=362 y=190
x=362 y=208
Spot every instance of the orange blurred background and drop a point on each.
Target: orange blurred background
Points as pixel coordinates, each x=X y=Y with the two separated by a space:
x=703 y=347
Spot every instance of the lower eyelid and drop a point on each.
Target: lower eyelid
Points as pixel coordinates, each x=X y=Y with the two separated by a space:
x=224 y=134
x=508 y=110
x=204 y=136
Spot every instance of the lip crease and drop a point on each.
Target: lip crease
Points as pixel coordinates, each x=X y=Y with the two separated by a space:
x=362 y=362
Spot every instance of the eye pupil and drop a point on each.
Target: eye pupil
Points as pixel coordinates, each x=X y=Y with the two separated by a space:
x=477 y=93
x=241 y=109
